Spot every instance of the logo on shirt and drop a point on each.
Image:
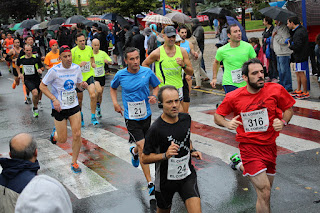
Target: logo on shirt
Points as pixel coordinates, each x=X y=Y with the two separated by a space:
x=68 y=84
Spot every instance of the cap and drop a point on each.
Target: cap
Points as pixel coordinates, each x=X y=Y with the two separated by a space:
x=178 y=38
x=147 y=31
x=64 y=48
x=52 y=42
x=170 y=31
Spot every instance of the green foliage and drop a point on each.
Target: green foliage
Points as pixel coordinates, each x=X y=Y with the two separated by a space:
x=228 y=4
x=67 y=9
x=258 y=7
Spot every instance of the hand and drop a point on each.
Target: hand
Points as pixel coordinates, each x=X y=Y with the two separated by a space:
x=3 y=59
x=21 y=76
x=56 y=105
x=188 y=78
x=39 y=71
x=42 y=58
x=196 y=55
x=93 y=65
x=213 y=82
x=274 y=33
x=118 y=109
x=197 y=155
x=84 y=84
x=83 y=63
x=152 y=99
x=172 y=150
x=277 y=124
x=234 y=123
x=180 y=62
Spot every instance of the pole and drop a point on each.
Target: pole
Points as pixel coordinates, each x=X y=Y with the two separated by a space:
x=58 y=6
x=164 y=7
x=304 y=20
x=243 y=14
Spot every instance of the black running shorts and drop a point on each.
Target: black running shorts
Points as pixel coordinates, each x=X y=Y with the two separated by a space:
x=32 y=84
x=137 y=129
x=187 y=188
x=65 y=113
x=185 y=89
x=102 y=80
x=89 y=81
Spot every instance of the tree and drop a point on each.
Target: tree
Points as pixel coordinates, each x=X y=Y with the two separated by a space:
x=67 y=9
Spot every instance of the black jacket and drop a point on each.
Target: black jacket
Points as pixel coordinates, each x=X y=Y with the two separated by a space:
x=266 y=34
x=299 y=43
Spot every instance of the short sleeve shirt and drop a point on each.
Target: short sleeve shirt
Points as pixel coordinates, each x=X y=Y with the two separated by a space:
x=63 y=83
x=135 y=88
x=272 y=96
x=99 y=60
x=52 y=59
x=79 y=56
x=32 y=64
x=233 y=59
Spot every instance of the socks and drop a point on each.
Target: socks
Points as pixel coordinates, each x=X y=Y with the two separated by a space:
x=93 y=115
x=98 y=105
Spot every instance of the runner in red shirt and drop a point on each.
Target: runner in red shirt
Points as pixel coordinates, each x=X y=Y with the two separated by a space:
x=261 y=111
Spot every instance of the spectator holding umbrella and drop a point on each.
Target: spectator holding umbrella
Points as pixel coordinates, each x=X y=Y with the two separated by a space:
x=222 y=31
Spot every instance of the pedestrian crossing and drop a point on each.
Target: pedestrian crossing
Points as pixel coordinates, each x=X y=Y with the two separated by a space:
x=105 y=148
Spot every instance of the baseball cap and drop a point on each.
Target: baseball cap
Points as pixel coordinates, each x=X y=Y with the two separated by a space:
x=170 y=31
x=64 y=48
x=147 y=31
x=52 y=42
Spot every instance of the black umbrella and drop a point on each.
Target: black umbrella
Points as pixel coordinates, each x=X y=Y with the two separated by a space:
x=90 y=23
x=113 y=16
x=216 y=12
x=28 y=23
x=54 y=27
x=160 y=11
x=75 y=19
x=277 y=13
x=55 y=21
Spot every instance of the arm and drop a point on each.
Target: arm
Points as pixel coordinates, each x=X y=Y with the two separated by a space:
x=186 y=64
x=215 y=70
x=93 y=63
x=194 y=152
x=195 y=54
x=153 y=97
x=117 y=107
x=154 y=56
x=279 y=124
x=221 y=121
x=153 y=157
x=46 y=91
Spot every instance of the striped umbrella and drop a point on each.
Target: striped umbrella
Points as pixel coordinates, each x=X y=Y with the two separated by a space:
x=158 y=19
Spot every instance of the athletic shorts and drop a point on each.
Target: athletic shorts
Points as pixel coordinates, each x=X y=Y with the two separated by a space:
x=301 y=67
x=137 y=129
x=65 y=113
x=102 y=80
x=14 y=71
x=258 y=158
x=32 y=84
x=187 y=188
x=89 y=81
x=185 y=88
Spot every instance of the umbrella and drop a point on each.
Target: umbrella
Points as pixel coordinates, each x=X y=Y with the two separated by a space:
x=16 y=27
x=158 y=19
x=54 y=27
x=277 y=13
x=216 y=12
x=90 y=23
x=28 y=23
x=312 y=10
x=11 y=25
x=55 y=21
x=231 y=21
x=179 y=17
x=35 y=27
x=160 y=11
x=43 y=25
x=116 y=17
x=20 y=31
x=75 y=19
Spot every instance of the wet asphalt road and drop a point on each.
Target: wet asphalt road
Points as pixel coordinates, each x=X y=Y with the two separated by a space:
x=296 y=185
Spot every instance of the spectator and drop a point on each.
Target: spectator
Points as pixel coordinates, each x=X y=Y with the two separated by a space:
x=222 y=31
x=138 y=42
x=317 y=53
x=44 y=194
x=17 y=171
x=151 y=40
x=198 y=32
x=258 y=49
x=128 y=37
x=63 y=37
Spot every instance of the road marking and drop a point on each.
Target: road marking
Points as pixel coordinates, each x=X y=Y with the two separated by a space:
x=56 y=162
x=210 y=92
x=308 y=104
x=11 y=79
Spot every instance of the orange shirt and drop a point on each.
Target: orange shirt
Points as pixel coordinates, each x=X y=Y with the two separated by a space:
x=9 y=44
x=52 y=59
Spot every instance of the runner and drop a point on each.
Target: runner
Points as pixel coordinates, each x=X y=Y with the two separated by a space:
x=8 y=44
x=83 y=56
x=169 y=60
x=168 y=145
x=52 y=58
x=64 y=78
x=261 y=110
x=135 y=81
x=31 y=67
x=233 y=55
x=101 y=58
x=14 y=54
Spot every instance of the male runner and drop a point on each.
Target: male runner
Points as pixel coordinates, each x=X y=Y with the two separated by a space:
x=101 y=58
x=32 y=67
x=168 y=145
x=261 y=111
x=64 y=78
x=13 y=54
x=8 y=44
x=233 y=55
x=136 y=99
x=53 y=57
x=83 y=56
x=169 y=60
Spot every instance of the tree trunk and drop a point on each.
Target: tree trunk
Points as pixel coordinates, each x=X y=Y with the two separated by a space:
x=79 y=8
x=58 y=6
x=193 y=8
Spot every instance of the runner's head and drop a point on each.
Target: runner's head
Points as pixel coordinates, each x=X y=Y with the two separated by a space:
x=169 y=36
x=234 y=33
x=16 y=43
x=95 y=45
x=65 y=56
x=132 y=58
x=183 y=32
x=9 y=36
x=3 y=36
x=53 y=45
x=253 y=73
x=168 y=97
x=81 y=41
x=254 y=41
x=28 y=50
x=29 y=40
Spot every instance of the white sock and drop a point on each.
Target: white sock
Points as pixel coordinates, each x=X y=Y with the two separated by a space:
x=238 y=166
x=149 y=183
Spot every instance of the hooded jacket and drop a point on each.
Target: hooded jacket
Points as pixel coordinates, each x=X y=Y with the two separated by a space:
x=299 y=43
x=198 y=32
x=279 y=45
x=16 y=174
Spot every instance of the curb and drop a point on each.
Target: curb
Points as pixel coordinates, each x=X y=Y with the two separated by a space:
x=248 y=31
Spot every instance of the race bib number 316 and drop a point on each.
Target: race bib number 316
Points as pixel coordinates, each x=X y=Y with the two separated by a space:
x=255 y=121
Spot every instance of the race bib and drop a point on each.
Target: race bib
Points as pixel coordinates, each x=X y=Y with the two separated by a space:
x=236 y=76
x=137 y=109
x=98 y=71
x=180 y=91
x=255 y=121
x=28 y=69
x=86 y=68
x=68 y=97
x=54 y=60
x=178 y=168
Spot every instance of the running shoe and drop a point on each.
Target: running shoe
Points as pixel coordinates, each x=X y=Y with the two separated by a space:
x=235 y=161
x=99 y=112
x=151 y=189
x=29 y=100
x=303 y=96
x=75 y=168
x=14 y=84
x=52 y=139
x=94 y=120
x=135 y=157
x=35 y=113
x=82 y=121
x=0 y=74
x=295 y=93
x=26 y=101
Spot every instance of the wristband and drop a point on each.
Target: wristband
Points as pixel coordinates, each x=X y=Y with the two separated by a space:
x=164 y=156
x=185 y=65
x=284 y=122
x=193 y=150
x=154 y=96
x=53 y=100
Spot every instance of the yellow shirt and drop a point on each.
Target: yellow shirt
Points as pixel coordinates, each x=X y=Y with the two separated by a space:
x=85 y=55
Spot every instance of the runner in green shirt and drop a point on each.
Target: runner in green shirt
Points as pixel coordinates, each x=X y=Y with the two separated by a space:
x=83 y=56
x=233 y=55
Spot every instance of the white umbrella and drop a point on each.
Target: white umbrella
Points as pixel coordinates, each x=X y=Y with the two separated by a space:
x=35 y=27
x=158 y=19
x=179 y=17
